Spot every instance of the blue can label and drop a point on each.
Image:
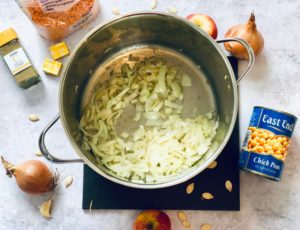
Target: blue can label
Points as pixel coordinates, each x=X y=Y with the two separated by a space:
x=267 y=139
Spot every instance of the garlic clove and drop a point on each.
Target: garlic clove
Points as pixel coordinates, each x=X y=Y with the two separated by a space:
x=45 y=208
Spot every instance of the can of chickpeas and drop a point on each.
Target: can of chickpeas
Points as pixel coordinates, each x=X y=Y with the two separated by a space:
x=266 y=143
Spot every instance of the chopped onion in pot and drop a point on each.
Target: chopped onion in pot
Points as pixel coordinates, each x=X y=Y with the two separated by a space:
x=165 y=144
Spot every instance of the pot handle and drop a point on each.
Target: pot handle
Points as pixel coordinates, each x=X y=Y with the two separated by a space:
x=249 y=51
x=45 y=151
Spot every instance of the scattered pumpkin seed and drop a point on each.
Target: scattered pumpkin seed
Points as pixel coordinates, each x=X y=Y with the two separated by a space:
x=182 y=216
x=213 y=165
x=68 y=181
x=33 y=117
x=228 y=185
x=38 y=153
x=115 y=11
x=91 y=205
x=207 y=196
x=190 y=188
x=186 y=224
x=45 y=208
x=205 y=227
x=153 y=4
x=172 y=10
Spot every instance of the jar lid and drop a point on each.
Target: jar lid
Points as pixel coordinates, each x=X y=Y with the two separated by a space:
x=7 y=35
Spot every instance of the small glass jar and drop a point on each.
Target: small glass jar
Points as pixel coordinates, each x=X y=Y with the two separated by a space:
x=17 y=60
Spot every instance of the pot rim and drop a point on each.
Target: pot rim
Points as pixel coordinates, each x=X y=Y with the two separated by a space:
x=176 y=180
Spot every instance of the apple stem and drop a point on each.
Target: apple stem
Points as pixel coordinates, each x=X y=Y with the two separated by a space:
x=149 y=226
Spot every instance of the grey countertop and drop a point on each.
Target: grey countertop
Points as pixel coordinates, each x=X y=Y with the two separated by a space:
x=273 y=82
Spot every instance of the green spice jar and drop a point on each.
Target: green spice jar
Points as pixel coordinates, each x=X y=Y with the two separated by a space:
x=17 y=60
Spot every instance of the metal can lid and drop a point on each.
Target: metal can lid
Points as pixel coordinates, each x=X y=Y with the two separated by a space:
x=7 y=35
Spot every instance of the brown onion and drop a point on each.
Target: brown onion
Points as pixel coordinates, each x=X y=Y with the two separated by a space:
x=247 y=32
x=32 y=176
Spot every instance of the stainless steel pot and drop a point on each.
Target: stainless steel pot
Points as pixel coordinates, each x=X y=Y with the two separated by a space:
x=143 y=34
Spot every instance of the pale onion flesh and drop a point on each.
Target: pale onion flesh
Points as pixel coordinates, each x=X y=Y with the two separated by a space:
x=164 y=144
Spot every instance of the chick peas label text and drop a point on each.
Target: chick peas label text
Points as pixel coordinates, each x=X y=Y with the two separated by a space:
x=265 y=164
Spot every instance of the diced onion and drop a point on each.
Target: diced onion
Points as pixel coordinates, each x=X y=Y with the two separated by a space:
x=186 y=81
x=166 y=144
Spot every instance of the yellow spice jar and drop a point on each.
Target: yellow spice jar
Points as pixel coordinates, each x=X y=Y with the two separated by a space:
x=17 y=60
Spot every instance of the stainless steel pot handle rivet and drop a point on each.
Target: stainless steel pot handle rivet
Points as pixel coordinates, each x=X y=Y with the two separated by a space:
x=45 y=151
x=250 y=53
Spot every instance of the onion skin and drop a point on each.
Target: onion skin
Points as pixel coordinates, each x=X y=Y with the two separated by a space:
x=247 y=32
x=32 y=177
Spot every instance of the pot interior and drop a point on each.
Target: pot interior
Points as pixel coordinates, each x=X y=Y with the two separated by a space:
x=141 y=35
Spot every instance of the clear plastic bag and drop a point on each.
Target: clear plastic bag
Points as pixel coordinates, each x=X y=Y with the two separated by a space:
x=56 y=19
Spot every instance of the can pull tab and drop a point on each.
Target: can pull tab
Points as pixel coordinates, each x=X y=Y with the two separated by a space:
x=249 y=51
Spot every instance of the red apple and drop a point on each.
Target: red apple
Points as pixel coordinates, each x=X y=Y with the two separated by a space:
x=205 y=22
x=152 y=220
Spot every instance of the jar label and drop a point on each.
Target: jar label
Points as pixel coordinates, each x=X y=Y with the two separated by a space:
x=56 y=5
x=17 y=61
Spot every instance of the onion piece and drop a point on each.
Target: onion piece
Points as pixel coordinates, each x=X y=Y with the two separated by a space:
x=186 y=81
x=32 y=176
x=152 y=115
x=166 y=144
x=249 y=33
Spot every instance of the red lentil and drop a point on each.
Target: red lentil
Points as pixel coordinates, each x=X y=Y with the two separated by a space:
x=55 y=25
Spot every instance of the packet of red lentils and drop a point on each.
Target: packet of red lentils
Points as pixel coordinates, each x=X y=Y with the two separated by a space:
x=55 y=19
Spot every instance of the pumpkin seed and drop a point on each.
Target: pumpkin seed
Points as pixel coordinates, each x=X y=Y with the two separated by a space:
x=68 y=181
x=182 y=216
x=172 y=10
x=207 y=196
x=115 y=11
x=228 y=185
x=33 y=117
x=213 y=165
x=186 y=224
x=153 y=4
x=38 y=153
x=46 y=208
x=190 y=188
x=91 y=205
x=205 y=227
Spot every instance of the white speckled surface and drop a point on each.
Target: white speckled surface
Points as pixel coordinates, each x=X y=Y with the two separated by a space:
x=274 y=82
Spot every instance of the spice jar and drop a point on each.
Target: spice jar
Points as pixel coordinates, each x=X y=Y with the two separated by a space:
x=17 y=60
